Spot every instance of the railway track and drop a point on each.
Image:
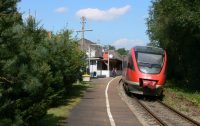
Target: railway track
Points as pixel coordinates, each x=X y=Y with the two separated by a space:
x=164 y=114
x=157 y=113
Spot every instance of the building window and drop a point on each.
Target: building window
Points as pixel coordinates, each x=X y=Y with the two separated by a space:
x=93 y=62
x=101 y=65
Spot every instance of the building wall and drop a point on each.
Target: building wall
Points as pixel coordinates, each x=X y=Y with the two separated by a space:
x=93 y=66
x=103 y=73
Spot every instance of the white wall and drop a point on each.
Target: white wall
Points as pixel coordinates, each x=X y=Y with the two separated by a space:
x=103 y=72
x=93 y=68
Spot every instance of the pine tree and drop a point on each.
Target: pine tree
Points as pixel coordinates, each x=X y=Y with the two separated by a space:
x=23 y=71
x=33 y=68
x=10 y=37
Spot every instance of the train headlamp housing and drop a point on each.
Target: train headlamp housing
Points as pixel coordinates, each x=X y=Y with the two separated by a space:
x=149 y=83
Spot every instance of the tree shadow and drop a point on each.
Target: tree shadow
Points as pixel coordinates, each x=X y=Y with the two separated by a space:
x=51 y=120
x=62 y=98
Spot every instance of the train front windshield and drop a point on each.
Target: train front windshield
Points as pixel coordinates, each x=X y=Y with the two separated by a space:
x=149 y=62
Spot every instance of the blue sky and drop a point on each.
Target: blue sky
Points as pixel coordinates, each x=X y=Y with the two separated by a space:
x=121 y=23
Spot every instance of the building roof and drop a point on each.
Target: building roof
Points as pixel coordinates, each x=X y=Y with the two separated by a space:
x=115 y=54
x=85 y=44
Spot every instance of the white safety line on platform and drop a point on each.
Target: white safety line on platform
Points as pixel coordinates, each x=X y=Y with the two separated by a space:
x=112 y=122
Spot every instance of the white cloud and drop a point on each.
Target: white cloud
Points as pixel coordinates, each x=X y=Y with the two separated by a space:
x=103 y=15
x=61 y=10
x=126 y=43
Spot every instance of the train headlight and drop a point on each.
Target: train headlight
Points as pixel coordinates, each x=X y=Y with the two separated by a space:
x=149 y=83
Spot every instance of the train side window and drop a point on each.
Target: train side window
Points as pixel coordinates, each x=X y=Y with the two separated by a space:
x=130 y=62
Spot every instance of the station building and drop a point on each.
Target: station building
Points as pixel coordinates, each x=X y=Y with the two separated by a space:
x=100 y=62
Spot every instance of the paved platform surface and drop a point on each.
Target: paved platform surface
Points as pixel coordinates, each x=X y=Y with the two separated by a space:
x=92 y=110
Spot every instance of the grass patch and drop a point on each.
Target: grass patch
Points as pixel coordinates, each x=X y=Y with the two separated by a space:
x=182 y=93
x=57 y=116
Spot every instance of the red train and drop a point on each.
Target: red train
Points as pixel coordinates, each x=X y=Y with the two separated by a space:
x=144 y=71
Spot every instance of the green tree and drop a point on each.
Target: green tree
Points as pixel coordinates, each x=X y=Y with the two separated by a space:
x=110 y=47
x=66 y=59
x=122 y=51
x=33 y=67
x=10 y=37
x=34 y=72
x=175 y=25
x=23 y=94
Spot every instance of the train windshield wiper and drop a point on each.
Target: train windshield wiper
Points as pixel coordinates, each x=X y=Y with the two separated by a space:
x=149 y=65
x=156 y=65
x=145 y=64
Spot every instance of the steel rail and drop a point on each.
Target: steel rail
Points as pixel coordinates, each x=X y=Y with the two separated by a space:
x=151 y=113
x=180 y=114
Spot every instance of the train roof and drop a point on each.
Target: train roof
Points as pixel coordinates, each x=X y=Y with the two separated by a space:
x=149 y=49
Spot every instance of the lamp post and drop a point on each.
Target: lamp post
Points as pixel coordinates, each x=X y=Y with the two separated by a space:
x=89 y=59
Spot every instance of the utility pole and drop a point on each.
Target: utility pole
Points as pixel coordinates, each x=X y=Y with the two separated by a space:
x=83 y=21
x=83 y=30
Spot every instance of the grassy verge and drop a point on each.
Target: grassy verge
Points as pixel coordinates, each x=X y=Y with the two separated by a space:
x=193 y=97
x=178 y=97
x=57 y=116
